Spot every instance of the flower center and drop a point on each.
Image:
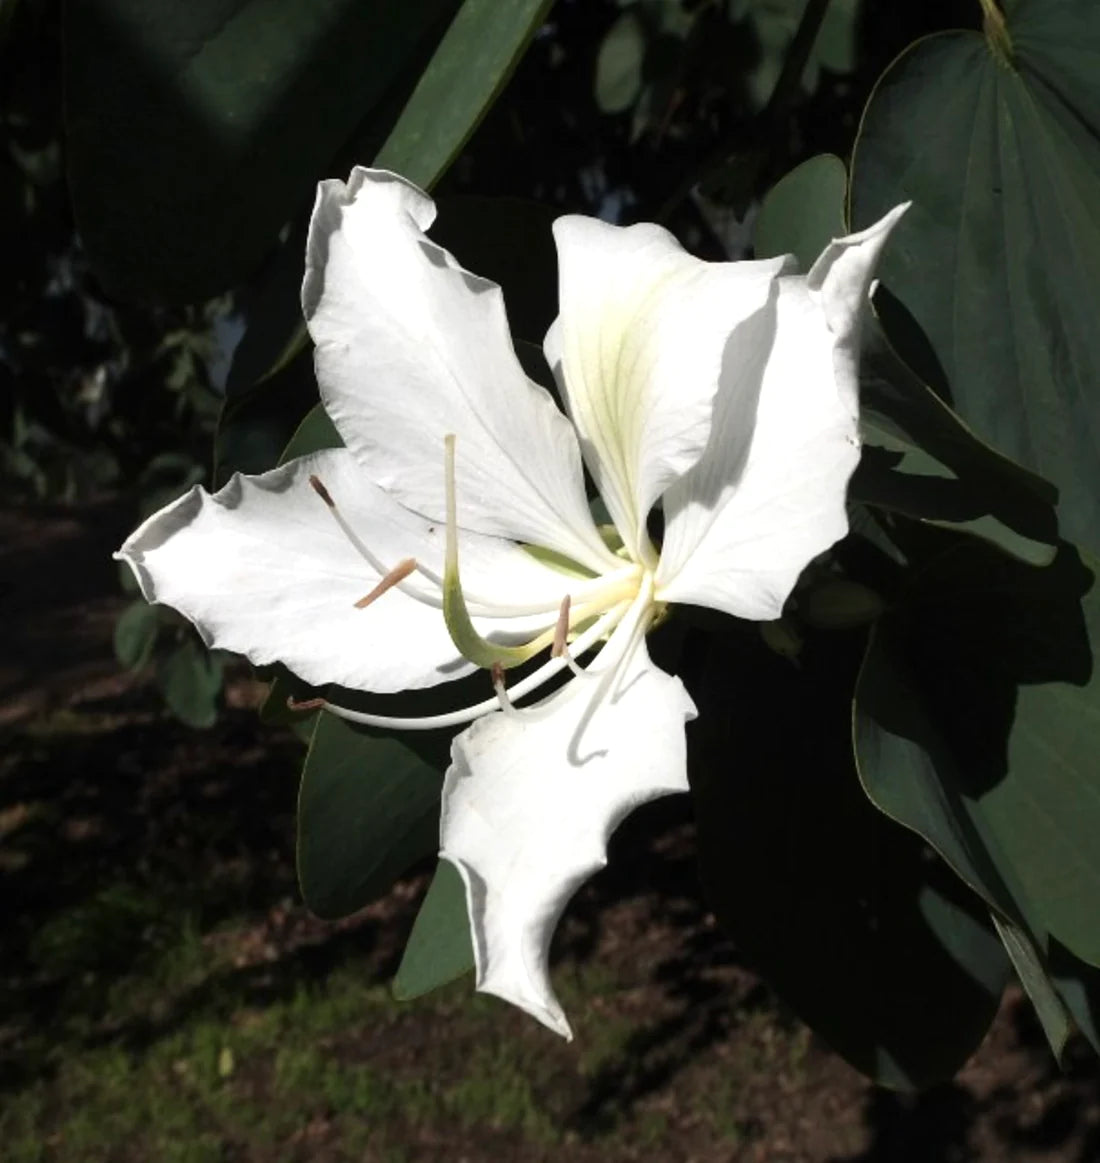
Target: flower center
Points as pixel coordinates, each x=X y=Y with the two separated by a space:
x=616 y=607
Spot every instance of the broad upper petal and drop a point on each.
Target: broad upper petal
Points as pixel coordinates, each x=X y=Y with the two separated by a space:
x=262 y=569
x=638 y=349
x=529 y=804
x=411 y=347
x=768 y=495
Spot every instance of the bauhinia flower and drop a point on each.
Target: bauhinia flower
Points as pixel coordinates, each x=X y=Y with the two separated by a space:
x=453 y=530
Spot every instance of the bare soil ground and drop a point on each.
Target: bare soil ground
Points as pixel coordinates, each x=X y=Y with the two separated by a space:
x=167 y=996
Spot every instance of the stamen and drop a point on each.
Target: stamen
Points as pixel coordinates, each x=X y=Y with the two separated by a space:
x=561 y=630
x=396 y=575
x=502 y=692
x=471 y=645
x=598 y=630
x=374 y=562
x=560 y=647
x=321 y=491
x=293 y=704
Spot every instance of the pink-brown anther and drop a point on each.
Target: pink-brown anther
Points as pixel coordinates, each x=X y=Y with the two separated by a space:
x=561 y=630
x=396 y=575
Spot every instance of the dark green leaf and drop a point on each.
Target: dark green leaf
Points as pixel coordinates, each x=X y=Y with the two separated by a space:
x=439 y=948
x=195 y=131
x=869 y=937
x=136 y=634
x=619 y=64
x=465 y=75
x=191 y=679
x=315 y=432
x=474 y=60
x=368 y=809
x=999 y=257
x=257 y=423
x=1033 y=975
x=803 y=212
x=920 y=459
x=978 y=725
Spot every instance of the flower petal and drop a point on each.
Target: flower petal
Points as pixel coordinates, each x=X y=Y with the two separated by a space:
x=410 y=347
x=263 y=570
x=768 y=495
x=529 y=803
x=638 y=350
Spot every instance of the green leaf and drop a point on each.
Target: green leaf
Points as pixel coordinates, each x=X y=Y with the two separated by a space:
x=999 y=257
x=136 y=634
x=439 y=948
x=1033 y=975
x=469 y=68
x=870 y=938
x=368 y=809
x=474 y=60
x=257 y=423
x=195 y=131
x=191 y=679
x=977 y=724
x=921 y=460
x=619 y=64
x=315 y=432
x=803 y=212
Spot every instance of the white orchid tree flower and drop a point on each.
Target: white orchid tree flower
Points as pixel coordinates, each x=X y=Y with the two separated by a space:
x=453 y=530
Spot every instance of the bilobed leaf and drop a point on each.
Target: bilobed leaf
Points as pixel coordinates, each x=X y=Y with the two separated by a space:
x=803 y=212
x=191 y=680
x=874 y=944
x=999 y=257
x=368 y=809
x=439 y=949
x=977 y=724
x=195 y=131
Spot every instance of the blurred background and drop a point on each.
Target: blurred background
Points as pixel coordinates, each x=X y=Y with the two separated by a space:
x=166 y=994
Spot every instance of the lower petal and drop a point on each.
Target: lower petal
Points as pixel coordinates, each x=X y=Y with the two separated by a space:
x=530 y=801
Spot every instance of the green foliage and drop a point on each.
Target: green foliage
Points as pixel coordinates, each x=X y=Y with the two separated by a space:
x=136 y=634
x=876 y=946
x=191 y=680
x=471 y=65
x=886 y=880
x=977 y=725
x=368 y=809
x=999 y=258
x=803 y=211
x=439 y=947
x=179 y=192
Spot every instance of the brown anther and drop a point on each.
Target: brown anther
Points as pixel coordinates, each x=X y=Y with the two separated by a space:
x=561 y=630
x=396 y=575
x=321 y=491
x=294 y=704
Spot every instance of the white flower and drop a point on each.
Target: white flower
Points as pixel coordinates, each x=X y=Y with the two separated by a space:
x=724 y=392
